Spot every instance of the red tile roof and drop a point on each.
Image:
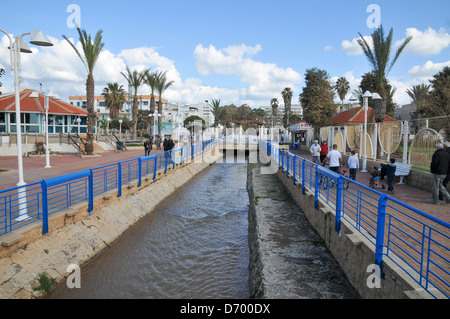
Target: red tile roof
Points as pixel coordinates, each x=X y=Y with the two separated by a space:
x=36 y=105
x=356 y=115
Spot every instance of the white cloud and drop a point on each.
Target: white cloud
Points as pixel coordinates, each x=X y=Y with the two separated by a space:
x=353 y=47
x=264 y=80
x=328 y=48
x=428 y=69
x=428 y=42
x=62 y=73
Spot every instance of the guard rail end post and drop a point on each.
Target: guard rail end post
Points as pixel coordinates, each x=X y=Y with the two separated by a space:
x=380 y=231
x=339 y=204
x=44 y=208
x=90 y=191
x=119 y=179
x=139 y=172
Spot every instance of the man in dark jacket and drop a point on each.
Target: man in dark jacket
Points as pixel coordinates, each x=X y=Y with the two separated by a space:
x=447 y=178
x=439 y=167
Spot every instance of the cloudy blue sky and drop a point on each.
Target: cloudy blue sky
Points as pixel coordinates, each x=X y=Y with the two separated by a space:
x=242 y=51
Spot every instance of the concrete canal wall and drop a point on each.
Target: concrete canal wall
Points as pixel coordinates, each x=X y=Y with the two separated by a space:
x=76 y=236
x=354 y=252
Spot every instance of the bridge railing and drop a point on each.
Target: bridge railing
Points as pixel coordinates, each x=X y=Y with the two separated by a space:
x=415 y=241
x=34 y=202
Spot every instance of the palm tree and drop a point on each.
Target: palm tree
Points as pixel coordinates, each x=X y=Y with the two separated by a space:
x=380 y=60
x=274 y=104
x=161 y=85
x=216 y=110
x=342 y=86
x=135 y=80
x=91 y=52
x=150 y=80
x=419 y=95
x=287 y=97
x=114 y=98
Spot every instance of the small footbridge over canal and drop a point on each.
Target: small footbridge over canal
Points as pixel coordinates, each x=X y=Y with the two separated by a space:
x=202 y=221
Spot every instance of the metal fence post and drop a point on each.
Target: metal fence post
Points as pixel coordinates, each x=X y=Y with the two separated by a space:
x=303 y=176
x=44 y=208
x=293 y=168
x=139 y=172
x=154 y=168
x=287 y=164
x=166 y=155
x=379 y=245
x=90 y=191
x=316 y=190
x=119 y=179
x=339 y=204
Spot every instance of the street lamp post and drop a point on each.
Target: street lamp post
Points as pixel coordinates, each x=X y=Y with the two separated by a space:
x=366 y=97
x=16 y=47
x=120 y=129
x=47 y=152
x=78 y=122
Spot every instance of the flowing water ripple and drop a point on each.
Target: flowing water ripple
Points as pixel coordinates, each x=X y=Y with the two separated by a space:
x=194 y=245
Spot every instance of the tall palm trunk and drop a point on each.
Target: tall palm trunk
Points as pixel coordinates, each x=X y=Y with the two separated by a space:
x=135 y=115
x=89 y=147
x=152 y=111
x=160 y=112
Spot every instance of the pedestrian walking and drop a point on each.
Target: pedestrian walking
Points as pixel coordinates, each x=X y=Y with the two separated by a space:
x=447 y=178
x=439 y=167
x=147 y=147
x=335 y=159
x=315 y=152
x=150 y=139
x=323 y=151
x=388 y=170
x=353 y=165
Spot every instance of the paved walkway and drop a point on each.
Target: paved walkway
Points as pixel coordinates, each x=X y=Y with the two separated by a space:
x=34 y=171
x=407 y=194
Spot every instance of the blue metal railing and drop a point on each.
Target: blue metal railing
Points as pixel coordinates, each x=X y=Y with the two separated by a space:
x=32 y=203
x=415 y=241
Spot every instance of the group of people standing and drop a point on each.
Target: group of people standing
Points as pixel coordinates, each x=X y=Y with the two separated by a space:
x=321 y=155
x=168 y=144
x=439 y=167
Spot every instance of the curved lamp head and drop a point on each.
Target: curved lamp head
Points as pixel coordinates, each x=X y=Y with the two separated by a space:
x=367 y=94
x=376 y=96
x=353 y=98
x=39 y=38
x=24 y=48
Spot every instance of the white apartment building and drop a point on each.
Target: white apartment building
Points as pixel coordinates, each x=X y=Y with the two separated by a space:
x=100 y=108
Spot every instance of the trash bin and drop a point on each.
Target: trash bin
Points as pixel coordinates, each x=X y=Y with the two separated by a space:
x=120 y=145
